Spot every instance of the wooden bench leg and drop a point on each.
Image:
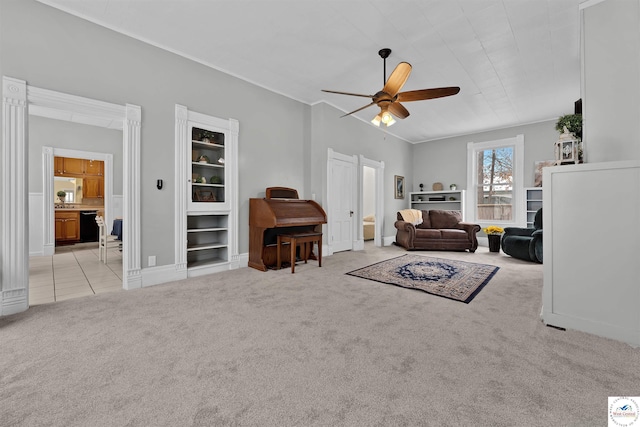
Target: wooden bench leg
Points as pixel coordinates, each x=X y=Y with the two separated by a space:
x=279 y=265
x=293 y=254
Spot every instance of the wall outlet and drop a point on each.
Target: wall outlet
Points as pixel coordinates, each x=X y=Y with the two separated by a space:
x=152 y=260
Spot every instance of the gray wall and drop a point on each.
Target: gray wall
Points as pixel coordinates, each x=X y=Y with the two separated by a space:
x=611 y=81
x=57 y=51
x=45 y=132
x=445 y=160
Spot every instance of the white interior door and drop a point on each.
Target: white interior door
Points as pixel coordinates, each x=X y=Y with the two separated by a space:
x=342 y=178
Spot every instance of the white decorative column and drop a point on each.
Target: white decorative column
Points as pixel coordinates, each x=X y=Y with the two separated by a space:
x=181 y=177
x=132 y=278
x=14 y=278
x=49 y=243
x=234 y=130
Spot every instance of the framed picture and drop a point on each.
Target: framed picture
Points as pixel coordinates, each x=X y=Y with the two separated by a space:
x=399 y=182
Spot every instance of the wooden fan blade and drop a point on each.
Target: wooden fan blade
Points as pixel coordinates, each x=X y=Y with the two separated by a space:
x=419 y=95
x=347 y=93
x=398 y=110
x=397 y=78
x=355 y=111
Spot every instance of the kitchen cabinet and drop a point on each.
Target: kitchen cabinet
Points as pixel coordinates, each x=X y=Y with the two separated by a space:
x=73 y=166
x=93 y=187
x=58 y=165
x=67 y=226
x=94 y=167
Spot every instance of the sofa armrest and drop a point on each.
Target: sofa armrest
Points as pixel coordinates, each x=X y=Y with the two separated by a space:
x=405 y=226
x=516 y=231
x=406 y=234
x=471 y=230
x=469 y=227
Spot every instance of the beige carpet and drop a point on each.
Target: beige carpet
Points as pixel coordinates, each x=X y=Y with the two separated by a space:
x=316 y=348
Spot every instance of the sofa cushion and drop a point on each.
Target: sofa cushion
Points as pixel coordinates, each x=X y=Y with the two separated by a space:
x=428 y=233
x=444 y=219
x=454 y=233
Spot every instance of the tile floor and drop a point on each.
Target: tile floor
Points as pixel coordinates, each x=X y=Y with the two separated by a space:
x=74 y=271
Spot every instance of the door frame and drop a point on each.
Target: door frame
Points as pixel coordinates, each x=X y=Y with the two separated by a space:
x=18 y=101
x=333 y=156
x=378 y=168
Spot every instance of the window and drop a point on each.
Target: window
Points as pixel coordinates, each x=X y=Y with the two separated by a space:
x=495 y=181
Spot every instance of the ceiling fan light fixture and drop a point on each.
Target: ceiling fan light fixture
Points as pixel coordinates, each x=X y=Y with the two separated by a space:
x=387 y=118
x=377 y=120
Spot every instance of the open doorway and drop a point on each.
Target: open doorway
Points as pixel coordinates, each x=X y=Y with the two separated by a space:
x=368 y=204
x=91 y=182
x=20 y=101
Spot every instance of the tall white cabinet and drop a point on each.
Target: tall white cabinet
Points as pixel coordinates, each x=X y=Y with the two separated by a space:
x=206 y=193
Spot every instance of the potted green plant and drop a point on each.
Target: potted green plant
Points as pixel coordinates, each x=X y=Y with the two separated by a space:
x=61 y=196
x=573 y=123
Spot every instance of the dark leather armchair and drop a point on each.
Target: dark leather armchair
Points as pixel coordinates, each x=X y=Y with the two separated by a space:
x=524 y=243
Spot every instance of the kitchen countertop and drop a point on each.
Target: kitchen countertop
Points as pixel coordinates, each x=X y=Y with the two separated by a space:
x=79 y=208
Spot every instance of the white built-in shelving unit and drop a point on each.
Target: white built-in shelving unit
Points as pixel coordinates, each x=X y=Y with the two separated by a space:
x=446 y=200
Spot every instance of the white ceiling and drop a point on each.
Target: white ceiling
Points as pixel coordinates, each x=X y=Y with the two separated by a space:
x=516 y=61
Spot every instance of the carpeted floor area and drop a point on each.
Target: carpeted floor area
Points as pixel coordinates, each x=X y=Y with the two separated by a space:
x=314 y=348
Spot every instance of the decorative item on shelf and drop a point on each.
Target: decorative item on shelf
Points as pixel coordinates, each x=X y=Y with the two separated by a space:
x=453 y=187
x=208 y=137
x=203 y=159
x=452 y=198
x=215 y=180
x=566 y=148
x=494 y=234
x=221 y=160
x=437 y=186
x=421 y=187
x=61 y=196
x=202 y=180
x=573 y=124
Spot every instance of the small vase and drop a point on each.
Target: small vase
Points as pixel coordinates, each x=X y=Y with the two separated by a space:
x=494 y=242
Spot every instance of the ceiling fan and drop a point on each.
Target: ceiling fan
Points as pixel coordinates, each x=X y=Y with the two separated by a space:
x=389 y=98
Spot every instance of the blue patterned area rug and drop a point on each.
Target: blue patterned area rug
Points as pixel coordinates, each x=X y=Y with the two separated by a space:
x=457 y=280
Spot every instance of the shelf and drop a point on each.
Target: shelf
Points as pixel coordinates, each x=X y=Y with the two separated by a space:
x=208 y=165
x=457 y=204
x=203 y=246
x=199 y=230
x=207 y=144
x=207 y=185
x=205 y=263
x=210 y=231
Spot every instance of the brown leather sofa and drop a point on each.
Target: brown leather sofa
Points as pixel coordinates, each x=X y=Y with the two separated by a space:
x=440 y=230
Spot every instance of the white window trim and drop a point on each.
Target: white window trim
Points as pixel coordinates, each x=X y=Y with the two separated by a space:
x=517 y=143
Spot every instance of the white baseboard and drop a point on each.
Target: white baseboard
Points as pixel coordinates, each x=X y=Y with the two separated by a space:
x=152 y=276
x=162 y=274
